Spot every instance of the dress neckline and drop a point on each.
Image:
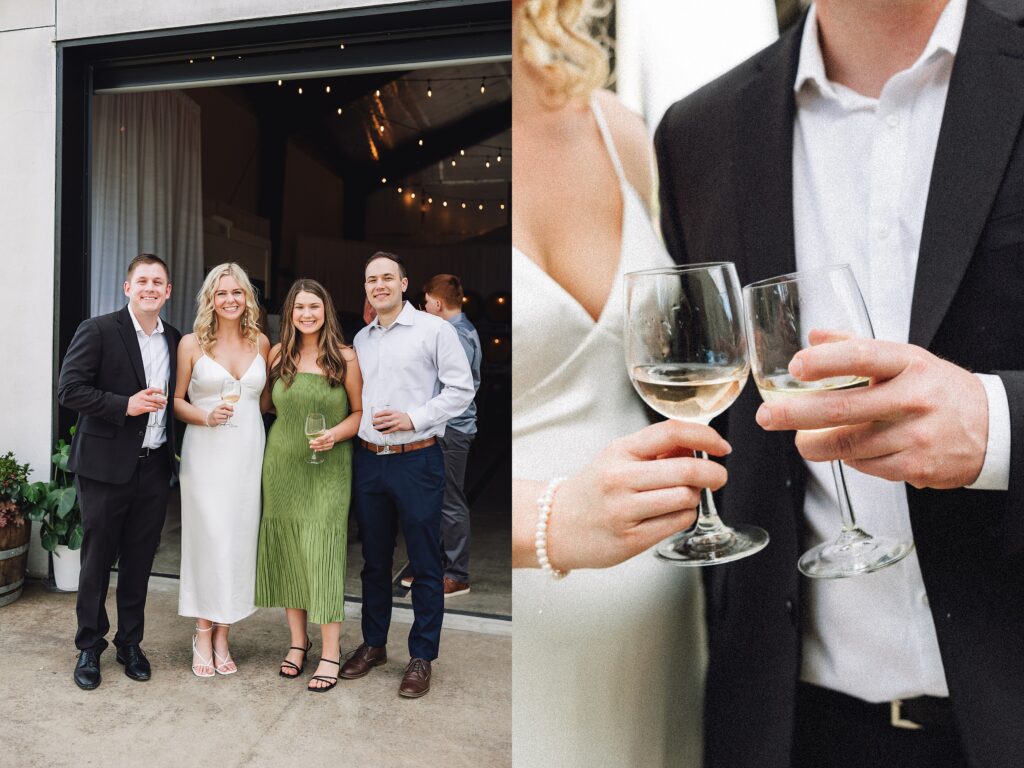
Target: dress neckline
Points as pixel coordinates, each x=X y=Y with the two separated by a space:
x=229 y=373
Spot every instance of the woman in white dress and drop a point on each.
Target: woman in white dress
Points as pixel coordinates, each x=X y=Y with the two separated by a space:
x=608 y=662
x=221 y=463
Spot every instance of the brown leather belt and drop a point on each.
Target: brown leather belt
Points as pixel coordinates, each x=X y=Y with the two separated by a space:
x=404 y=448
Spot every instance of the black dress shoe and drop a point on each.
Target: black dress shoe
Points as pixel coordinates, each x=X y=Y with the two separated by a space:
x=87 y=670
x=136 y=665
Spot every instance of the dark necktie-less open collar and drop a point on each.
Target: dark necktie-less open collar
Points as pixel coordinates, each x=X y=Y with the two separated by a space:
x=976 y=137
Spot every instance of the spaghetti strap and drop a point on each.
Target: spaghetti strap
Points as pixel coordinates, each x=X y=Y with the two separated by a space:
x=609 y=143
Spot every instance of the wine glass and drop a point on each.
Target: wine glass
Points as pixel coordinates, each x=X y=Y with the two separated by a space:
x=782 y=313
x=231 y=393
x=156 y=418
x=387 y=437
x=316 y=426
x=686 y=353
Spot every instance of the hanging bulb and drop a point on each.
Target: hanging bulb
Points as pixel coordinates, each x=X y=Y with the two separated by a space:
x=463 y=205
x=430 y=200
x=481 y=206
x=430 y=92
x=498 y=158
x=502 y=206
x=382 y=129
x=483 y=87
x=444 y=203
x=341 y=47
x=383 y=179
x=421 y=142
x=339 y=110
x=462 y=152
x=487 y=163
x=300 y=90
x=453 y=162
x=280 y=83
x=377 y=93
x=213 y=58
x=412 y=195
x=328 y=89
x=191 y=61
x=399 y=190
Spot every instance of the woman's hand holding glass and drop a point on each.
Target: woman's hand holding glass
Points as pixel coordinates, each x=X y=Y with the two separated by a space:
x=640 y=489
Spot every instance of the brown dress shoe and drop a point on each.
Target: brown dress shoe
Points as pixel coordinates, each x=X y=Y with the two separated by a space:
x=363 y=659
x=416 y=680
x=453 y=588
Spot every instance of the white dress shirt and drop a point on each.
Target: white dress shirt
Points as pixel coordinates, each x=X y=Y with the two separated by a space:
x=156 y=360
x=861 y=172
x=417 y=366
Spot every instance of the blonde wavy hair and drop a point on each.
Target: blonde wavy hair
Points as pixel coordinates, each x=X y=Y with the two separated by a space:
x=205 y=326
x=567 y=41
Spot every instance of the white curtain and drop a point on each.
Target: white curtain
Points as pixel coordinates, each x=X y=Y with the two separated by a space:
x=665 y=49
x=147 y=196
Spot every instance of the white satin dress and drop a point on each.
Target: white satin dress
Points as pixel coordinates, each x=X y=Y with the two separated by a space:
x=607 y=665
x=221 y=471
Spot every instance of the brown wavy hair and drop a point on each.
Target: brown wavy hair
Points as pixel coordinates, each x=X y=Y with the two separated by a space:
x=329 y=358
x=567 y=41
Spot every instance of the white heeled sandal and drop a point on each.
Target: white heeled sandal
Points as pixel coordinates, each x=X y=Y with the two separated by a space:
x=221 y=667
x=207 y=663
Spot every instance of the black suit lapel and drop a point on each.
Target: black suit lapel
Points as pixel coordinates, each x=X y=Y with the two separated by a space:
x=767 y=109
x=131 y=344
x=981 y=121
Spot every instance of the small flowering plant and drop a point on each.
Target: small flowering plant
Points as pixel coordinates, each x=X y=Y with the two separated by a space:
x=13 y=486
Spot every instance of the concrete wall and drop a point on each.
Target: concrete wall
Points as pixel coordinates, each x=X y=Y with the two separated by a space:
x=91 y=18
x=27 y=145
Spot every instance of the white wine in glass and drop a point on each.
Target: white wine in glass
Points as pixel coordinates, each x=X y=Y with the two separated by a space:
x=386 y=451
x=782 y=313
x=157 y=418
x=686 y=354
x=316 y=427
x=231 y=393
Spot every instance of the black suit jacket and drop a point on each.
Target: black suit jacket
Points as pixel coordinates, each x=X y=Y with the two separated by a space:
x=725 y=160
x=101 y=370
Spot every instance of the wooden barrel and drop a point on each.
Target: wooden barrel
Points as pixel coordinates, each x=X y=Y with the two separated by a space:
x=13 y=558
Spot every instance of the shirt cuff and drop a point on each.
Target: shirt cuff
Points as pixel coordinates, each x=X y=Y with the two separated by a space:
x=995 y=472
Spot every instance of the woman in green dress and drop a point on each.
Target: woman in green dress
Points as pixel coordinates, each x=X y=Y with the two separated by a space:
x=300 y=563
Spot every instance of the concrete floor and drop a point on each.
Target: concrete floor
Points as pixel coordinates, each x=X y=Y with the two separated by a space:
x=252 y=718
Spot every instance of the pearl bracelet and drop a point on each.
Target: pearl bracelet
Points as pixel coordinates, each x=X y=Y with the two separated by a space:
x=544 y=504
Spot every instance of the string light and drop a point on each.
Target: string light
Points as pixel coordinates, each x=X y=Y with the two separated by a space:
x=190 y=61
x=502 y=206
x=463 y=205
x=430 y=92
x=377 y=93
x=453 y=162
x=300 y=90
x=213 y=58
x=462 y=152
x=480 y=207
x=498 y=158
x=445 y=203
x=399 y=190
x=341 y=47
x=483 y=87
x=383 y=179
x=412 y=195
x=381 y=128
x=420 y=142
x=430 y=200
x=487 y=163
x=339 y=110
x=280 y=83
x=327 y=89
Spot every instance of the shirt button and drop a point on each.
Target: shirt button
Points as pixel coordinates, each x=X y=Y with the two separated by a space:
x=789 y=483
x=892 y=121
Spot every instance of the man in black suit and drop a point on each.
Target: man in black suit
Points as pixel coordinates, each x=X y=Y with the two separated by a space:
x=886 y=134
x=115 y=374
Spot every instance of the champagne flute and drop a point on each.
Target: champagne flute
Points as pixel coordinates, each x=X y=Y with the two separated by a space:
x=387 y=437
x=782 y=313
x=686 y=353
x=316 y=426
x=231 y=393
x=156 y=418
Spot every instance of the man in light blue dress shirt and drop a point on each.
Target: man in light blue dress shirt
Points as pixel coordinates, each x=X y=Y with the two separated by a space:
x=442 y=296
x=415 y=378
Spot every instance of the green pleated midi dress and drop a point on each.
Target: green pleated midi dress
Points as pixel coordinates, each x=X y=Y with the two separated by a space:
x=303 y=540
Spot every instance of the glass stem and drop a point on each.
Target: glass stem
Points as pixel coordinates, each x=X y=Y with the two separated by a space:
x=708 y=520
x=845 y=507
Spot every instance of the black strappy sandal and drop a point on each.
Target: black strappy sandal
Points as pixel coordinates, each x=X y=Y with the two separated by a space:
x=298 y=669
x=324 y=678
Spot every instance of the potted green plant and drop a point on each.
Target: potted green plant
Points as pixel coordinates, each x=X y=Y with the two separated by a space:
x=14 y=532
x=55 y=506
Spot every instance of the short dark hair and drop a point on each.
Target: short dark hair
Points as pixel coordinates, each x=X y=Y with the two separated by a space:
x=447 y=288
x=386 y=255
x=147 y=258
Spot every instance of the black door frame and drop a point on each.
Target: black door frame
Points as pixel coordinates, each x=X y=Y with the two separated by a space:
x=424 y=31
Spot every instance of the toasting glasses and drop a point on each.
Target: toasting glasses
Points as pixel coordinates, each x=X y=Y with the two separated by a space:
x=686 y=353
x=782 y=312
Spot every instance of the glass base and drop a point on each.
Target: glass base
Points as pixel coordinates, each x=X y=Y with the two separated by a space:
x=723 y=546
x=316 y=459
x=853 y=553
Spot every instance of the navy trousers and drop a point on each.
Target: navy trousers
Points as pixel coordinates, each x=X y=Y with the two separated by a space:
x=407 y=490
